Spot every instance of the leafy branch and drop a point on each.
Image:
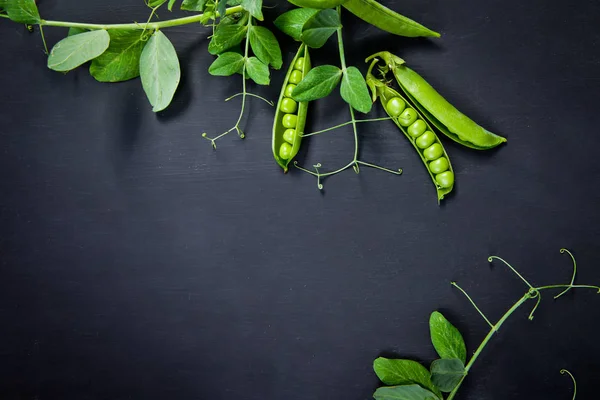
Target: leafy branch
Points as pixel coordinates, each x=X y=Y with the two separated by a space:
x=408 y=379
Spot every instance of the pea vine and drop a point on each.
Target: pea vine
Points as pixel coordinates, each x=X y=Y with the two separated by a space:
x=408 y=379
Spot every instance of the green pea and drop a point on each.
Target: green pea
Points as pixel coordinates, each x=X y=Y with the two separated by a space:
x=289 y=89
x=417 y=129
x=445 y=179
x=425 y=140
x=433 y=152
x=407 y=117
x=299 y=65
x=289 y=135
x=440 y=165
x=290 y=121
x=285 y=151
x=288 y=106
x=295 y=77
x=395 y=106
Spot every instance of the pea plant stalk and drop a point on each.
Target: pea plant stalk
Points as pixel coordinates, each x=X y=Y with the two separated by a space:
x=448 y=373
x=355 y=162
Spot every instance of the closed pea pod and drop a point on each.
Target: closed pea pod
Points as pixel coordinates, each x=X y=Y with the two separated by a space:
x=318 y=4
x=419 y=133
x=290 y=116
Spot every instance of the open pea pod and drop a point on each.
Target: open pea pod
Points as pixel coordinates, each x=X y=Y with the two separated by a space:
x=385 y=19
x=290 y=116
x=318 y=4
x=438 y=111
x=418 y=132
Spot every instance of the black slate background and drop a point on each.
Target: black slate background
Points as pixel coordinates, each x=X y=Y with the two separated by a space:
x=138 y=263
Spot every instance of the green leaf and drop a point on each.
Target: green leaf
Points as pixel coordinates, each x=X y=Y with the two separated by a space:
x=227 y=64
x=156 y=3
x=404 y=392
x=193 y=5
x=73 y=51
x=403 y=372
x=226 y=37
x=320 y=27
x=254 y=7
x=160 y=72
x=258 y=71
x=446 y=339
x=318 y=83
x=292 y=22
x=265 y=46
x=447 y=373
x=76 y=31
x=121 y=61
x=354 y=90
x=171 y=4
x=22 y=11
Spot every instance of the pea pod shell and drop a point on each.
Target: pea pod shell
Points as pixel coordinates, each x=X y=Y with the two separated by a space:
x=385 y=93
x=318 y=4
x=385 y=19
x=278 y=128
x=443 y=115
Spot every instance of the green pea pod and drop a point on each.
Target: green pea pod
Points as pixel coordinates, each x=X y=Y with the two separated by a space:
x=318 y=4
x=418 y=132
x=290 y=117
x=440 y=113
x=385 y=19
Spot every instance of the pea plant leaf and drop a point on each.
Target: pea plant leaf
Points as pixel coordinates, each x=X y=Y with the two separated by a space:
x=257 y=71
x=404 y=392
x=121 y=61
x=292 y=22
x=22 y=11
x=156 y=3
x=265 y=46
x=403 y=372
x=447 y=373
x=446 y=339
x=160 y=71
x=226 y=37
x=354 y=90
x=193 y=5
x=227 y=64
x=171 y=4
x=254 y=7
x=318 y=83
x=320 y=27
x=73 y=51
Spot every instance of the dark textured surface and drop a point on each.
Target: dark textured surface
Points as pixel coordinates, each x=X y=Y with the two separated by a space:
x=138 y=263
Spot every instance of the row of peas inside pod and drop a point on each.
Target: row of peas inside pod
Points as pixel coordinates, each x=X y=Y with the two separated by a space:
x=290 y=117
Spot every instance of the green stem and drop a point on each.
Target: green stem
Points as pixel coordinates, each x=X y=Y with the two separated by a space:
x=147 y=26
x=485 y=341
x=346 y=124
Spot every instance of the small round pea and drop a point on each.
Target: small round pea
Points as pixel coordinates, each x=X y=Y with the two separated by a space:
x=433 y=152
x=295 y=77
x=407 y=117
x=425 y=140
x=299 y=65
x=440 y=165
x=288 y=106
x=290 y=120
x=417 y=129
x=445 y=179
x=289 y=135
x=285 y=151
x=289 y=89
x=395 y=106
